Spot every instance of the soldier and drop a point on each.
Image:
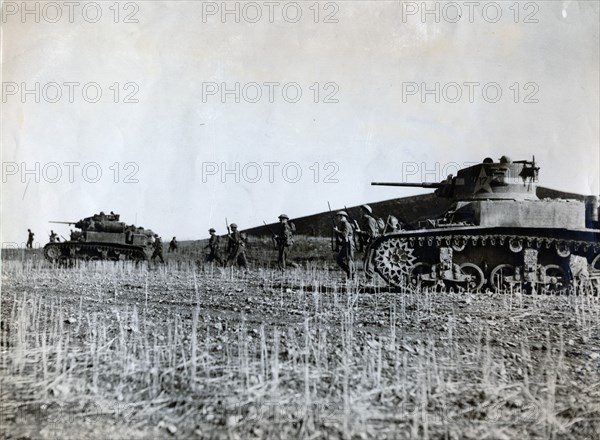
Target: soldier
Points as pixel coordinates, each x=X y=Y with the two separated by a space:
x=53 y=237
x=158 y=249
x=368 y=234
x=236 y=247
x=284 y=240
x=393 y=225
x=30 y=235
x=173 y=245
x=345 y=234
x=214 y=253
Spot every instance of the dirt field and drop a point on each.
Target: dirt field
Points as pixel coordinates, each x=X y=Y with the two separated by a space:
x=111 y=350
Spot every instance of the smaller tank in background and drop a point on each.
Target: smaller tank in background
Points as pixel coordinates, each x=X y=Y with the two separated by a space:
x=102 y=237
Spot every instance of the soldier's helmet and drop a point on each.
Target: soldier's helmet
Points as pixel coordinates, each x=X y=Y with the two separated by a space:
x=283 y=216
x=174 y=238
x=367 y=208
x=233 y=226
x=28 y=230
x=342 y=213
x=212 y=230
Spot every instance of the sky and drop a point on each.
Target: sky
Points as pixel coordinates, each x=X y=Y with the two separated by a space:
x=180 y=114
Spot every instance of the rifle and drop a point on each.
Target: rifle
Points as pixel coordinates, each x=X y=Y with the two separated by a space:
x=273 y=235
x=227 y=226
x=335 y=249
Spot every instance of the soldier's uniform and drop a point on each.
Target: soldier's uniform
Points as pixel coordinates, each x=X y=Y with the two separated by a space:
x=53 y=237
x=284 y=240
x=213 y=247
x=158 y=249
x=370 y=232
x=173 y=245
x=345 y=234
x=236 y=247
x=29 y=239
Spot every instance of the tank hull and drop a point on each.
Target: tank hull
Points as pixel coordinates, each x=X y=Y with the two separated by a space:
x=75 y=250
x=472 y=258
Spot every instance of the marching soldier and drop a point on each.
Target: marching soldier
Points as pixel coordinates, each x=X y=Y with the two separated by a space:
x=213 y=247
x=158 y=249
x=173 y=245
x=30 y=235
x=368 y=234
x=345 y=234
x=284 y=240
x=236 y=247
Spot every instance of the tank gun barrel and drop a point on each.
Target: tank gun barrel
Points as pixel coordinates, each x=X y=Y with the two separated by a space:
x=62 y=223
x=416 y=185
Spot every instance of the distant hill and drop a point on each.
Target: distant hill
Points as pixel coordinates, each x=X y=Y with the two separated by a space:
x=409 y=209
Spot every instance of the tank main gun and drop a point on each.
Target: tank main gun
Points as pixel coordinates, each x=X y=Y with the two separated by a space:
x=63 y=223
x=414 y=185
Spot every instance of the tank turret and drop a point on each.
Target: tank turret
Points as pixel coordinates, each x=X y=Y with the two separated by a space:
x=102 y=237
x=488 y=180
x=498 y=233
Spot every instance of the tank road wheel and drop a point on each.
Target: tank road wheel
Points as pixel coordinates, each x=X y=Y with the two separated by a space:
x=502 y=278
x=416 y=275
x=474 y=277
x=393 y=259
x=52 y=253
x=555 y=279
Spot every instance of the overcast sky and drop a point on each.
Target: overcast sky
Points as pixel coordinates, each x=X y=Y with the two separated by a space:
x=162 y=156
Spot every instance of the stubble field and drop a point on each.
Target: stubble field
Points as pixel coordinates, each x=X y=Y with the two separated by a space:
x=115 y=350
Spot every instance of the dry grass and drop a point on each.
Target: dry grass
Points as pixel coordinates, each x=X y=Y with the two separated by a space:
x=115 y=350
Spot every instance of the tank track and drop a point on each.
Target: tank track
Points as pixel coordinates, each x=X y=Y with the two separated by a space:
x=69 y=251
x=472 y=260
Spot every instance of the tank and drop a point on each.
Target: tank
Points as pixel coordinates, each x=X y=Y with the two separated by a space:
x=101 y=237
x=497 y=235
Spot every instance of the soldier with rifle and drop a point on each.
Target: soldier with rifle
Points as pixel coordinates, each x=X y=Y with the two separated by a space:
x=369 y=233
x=214 y=253
x=30 y=235
x=173 y=245
x=357 y=232
x=345 y=234
x=284 y=240
x=158 y=249
x=236 y=246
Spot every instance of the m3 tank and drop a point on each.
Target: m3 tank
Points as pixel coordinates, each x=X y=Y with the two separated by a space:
x=497 y=234
x=102 y=237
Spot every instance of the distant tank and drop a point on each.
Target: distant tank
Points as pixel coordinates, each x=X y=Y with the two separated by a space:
x=497 y=234
x=102 y=237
